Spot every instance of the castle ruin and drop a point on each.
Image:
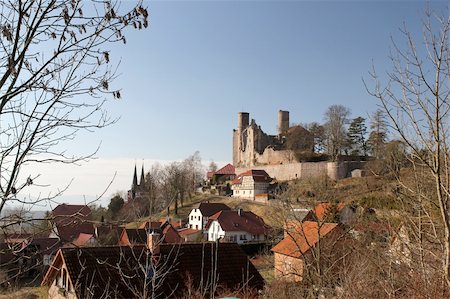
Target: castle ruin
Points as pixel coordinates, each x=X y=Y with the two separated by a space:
x=254 y=149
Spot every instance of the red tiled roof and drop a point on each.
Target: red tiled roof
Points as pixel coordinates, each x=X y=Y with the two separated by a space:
x=301 y=237
x=226 y=170
x=209 y=174
x=257 y=175
x=247 y=221
x=322 y=209
x=71 y=220
x=82 y=239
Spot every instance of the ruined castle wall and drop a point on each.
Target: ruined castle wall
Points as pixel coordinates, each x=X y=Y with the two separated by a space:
x=285 y=172
x=273 y=157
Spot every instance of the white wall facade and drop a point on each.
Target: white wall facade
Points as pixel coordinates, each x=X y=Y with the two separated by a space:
x=196 y=220
x=249 y=188
x=215 y=232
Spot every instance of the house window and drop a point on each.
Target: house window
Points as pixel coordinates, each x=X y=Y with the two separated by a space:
x=243 y=237
x=192 y=217
x=64 y=278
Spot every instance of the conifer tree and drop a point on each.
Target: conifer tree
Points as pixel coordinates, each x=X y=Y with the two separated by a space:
x=357 y=136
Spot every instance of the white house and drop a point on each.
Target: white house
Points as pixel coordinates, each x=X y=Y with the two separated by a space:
x=198 y=217
x=237 y=227
x=251 y=183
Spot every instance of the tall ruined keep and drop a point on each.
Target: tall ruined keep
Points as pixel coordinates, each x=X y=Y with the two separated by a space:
x=253 y=147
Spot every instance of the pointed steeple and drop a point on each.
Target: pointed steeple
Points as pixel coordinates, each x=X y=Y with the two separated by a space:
x=142 y=182
x=135 y=181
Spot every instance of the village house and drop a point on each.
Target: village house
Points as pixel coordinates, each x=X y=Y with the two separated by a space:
x=26 y=256
x=237 y=227
x=226 y=173
x=198 y=217
x=292 y=254
x=251 y=184
x=164 y=271
x=69 y=221
x=139 y=236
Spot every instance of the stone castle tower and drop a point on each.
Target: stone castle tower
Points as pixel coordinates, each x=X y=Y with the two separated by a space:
x=251 y=146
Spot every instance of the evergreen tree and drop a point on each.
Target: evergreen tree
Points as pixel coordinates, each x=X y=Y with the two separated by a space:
x=357 y=136
x=115 y=206
x=378 y=134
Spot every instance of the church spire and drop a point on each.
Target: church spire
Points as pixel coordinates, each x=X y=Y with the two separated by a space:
x=135 y=181
x=142 y=182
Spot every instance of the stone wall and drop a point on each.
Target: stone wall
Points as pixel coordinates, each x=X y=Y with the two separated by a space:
x=291 y=171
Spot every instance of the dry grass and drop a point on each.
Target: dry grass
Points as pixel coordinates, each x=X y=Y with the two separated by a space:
x=26 y=293
x=262 y=210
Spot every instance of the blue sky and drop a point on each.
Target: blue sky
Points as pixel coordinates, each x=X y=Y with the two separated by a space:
x=199 y=63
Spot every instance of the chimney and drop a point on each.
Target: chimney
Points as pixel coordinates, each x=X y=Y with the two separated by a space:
x=153 y=241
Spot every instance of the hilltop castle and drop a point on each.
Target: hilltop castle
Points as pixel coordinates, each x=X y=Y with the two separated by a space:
x=275 y=154
x=253 y=147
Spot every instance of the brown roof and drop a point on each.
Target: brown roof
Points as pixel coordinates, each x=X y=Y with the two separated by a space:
x=301 y=237
x=299 y=128
x=136 y=235
x=151 y=224
x=257 y=175
x=170 y=234
x=247 y=221
x=71 y=220
x=210 y=208
x=181 y=263
x=226 y=170
x=188 y=231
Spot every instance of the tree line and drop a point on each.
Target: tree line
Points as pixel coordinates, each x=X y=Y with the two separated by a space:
x=165 y=187
x=339 y=135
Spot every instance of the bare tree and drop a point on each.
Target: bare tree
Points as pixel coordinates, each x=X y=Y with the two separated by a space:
x=336 y=118
x=56 y=70
x=416 y=101
x=378 y=134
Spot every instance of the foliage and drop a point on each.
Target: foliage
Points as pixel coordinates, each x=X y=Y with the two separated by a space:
x=357 y=136
x=115 y=206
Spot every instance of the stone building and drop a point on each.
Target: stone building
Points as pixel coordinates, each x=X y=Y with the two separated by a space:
x=252 y=146
x=276 y=154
